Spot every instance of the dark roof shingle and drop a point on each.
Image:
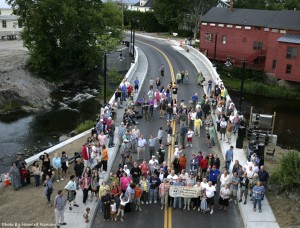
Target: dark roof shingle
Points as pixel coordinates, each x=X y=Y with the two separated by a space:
x=148 y=4
x=285 y=19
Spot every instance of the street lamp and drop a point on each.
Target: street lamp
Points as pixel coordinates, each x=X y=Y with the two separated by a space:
x=215 y=51
x=243 y=61
x=134 y=24
x=120 y=57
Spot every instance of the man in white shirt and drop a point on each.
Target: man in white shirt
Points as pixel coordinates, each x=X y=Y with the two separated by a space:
x=126 y=170
x=203 y=184
x=189 y=135
x=152 y=163
x=177 y=152
x=210 y=194
x=223 y=125
x=141 y=146
x=172 y=176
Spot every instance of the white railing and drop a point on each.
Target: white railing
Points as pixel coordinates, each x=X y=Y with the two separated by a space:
x=214 y=74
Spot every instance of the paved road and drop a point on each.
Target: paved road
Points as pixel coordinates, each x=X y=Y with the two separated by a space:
x=152 y=216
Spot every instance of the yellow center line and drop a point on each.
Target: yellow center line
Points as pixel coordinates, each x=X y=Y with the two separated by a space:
x=169 y=217
x=168 y=212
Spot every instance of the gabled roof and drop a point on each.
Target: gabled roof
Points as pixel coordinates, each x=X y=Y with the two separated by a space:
x=290 y=38
x=148 y=4
x=285 y=19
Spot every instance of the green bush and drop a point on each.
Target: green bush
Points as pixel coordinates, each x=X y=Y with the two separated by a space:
x=287 y=173
x=86 y=125
x=146 y=20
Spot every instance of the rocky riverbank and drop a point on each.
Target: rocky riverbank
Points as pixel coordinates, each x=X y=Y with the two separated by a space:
x=19 y=89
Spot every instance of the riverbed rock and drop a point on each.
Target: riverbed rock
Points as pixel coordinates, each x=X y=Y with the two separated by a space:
x=19 y=89
x=64 y=138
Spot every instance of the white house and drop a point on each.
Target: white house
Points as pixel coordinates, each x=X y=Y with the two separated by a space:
x=9 y=26
x=142 y=6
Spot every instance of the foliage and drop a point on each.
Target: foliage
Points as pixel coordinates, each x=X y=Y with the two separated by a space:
x=254 y=83
x=169 y=13
x=146 y=20
x=9 y=107
x=86 y=125
x=268 y=4
x=113 y=76
x=194 y=11
x=287 y=174
x=61 y=35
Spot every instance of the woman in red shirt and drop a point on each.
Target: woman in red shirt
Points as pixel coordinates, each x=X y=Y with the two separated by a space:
x=204 y=166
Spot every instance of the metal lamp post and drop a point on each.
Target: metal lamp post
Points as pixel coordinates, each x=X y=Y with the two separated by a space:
x=243 y=61
x=121 y=58
x=215 y=51
x=134 y=24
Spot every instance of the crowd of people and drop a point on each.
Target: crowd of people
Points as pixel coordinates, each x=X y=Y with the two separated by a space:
x=148 y=179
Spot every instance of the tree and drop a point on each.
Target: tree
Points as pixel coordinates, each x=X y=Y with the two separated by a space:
x=146 y=20
x=169 y=12
x=61 y=35
x=195 y=10
x=253 y=4
x=268 y=4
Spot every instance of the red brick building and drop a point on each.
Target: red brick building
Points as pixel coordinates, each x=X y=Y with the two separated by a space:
x=267 y=40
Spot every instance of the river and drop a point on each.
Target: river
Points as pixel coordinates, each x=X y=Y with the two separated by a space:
x=31 y=134
x=287 y=125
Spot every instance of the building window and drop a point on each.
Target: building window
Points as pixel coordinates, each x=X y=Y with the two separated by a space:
x=257 y=45
x=3 y=24
x=291 y=53
x=274 y=64
x=224 y=39
x=208 y=37
x=288 y=69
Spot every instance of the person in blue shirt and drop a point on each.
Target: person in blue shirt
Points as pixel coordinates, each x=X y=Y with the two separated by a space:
x=195 y=98
x=136 y=85
x=124 y=90
x=258 y=194
x=194 y=164
x=56 y=163
x=214 y=174
x=154 y=184
x=229 y=157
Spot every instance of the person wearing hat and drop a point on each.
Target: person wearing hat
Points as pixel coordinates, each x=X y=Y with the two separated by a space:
x=214 y=174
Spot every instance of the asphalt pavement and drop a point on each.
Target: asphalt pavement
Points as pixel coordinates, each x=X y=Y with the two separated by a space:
x=162 y=52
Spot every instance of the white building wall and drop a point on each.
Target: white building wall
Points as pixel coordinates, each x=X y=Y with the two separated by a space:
x=12 y=27
x=5 y=11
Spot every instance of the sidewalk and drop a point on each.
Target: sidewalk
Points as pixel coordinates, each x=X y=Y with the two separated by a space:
x=74 y=218
x=266 y=219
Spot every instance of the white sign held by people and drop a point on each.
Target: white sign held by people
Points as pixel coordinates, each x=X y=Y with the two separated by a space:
x=182 y=191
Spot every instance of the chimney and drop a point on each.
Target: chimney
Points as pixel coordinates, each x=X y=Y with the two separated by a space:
x=231 y=6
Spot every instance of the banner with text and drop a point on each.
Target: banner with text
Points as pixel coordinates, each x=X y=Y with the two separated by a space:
x=183 y=191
